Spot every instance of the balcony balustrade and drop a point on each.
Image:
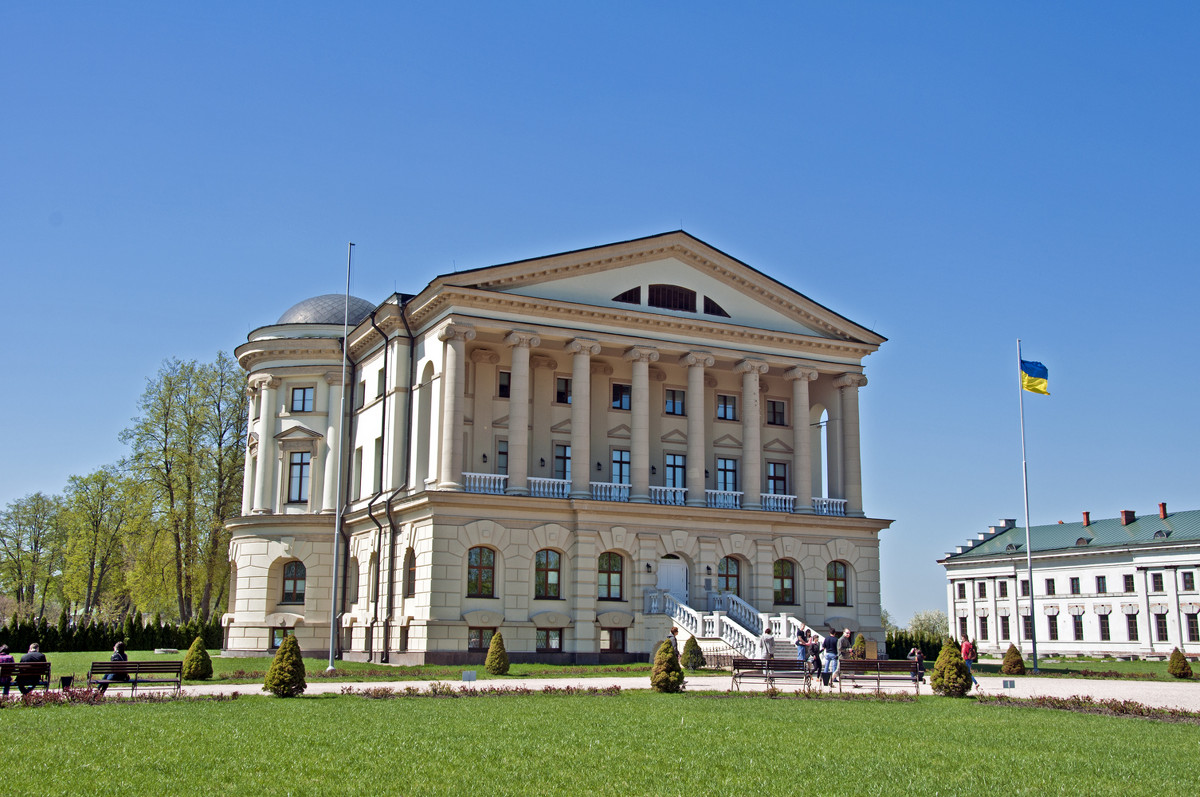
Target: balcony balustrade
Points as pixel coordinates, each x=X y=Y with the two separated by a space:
x=610 y=491
x=774 y=502
x=722 y=499
x=829 y=506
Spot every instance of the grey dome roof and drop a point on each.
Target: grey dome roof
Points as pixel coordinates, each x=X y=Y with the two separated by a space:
x=327 y=309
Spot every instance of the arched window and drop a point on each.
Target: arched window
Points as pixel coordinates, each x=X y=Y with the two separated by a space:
x=727 y=575
x=481 y=573
x=546 y=567
x=785 y=582
x=835 y=584
x=611 y=566
x=293 y=583
x=410 y=573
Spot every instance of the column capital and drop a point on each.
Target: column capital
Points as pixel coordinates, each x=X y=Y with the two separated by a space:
x=801 y=373
x=457 y=332
x=542 y=361
x=485 y=356
x=641 y=354
x=850 y=380
x=702 y=359
x=585 y=346
x=751 y=365
x=335 y=378
x=522 y=339
x=264 y=381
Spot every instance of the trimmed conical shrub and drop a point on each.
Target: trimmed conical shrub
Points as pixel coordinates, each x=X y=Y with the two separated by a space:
x=950 y=674
x=667 y=675
x=286 y=676
x=497 y=657
x=860 y=647
x=197 y=666
x=693 y=657
x=1013 y=663
x=1178 y=665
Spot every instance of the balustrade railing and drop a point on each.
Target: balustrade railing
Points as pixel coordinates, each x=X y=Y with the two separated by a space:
x=490 y=483
x=729 y=618
x=672 y=496
x=610 y=491
x=774 y=502
x=829 y=506
x=549 y=488
x=722 y=499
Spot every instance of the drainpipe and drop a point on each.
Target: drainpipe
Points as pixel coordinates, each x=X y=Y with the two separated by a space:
x=343 y=541
x=408 y=410
x=379 y=492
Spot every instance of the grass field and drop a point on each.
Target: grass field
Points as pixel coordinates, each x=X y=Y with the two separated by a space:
x=631 y=744
x=1075 y=667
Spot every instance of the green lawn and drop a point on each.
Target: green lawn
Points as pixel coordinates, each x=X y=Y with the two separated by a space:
x=1074 y=667
x=632 y=744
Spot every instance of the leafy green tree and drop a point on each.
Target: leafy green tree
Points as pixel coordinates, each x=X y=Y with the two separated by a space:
x=950 y=674
x=105 y=513
x=666 y=675
x=497 y=657
x=693 y=657
x=1013 y=663
x=286 y=676
x=32 y=535
x=197 y=666
x=1178 y=665
x=933 y=622
x=885 y=619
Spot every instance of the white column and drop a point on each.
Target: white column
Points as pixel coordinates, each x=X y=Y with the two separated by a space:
x=454 y=380
x=264 y=481
x=581 y=351
x=330 y=498
x=639 y=449
x=801 y=437
x=248 y=470
x=751 y=431
x=696 y=362
x=518 y=411
x=851 y=465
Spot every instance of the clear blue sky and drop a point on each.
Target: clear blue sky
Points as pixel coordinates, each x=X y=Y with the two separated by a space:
x=953 y=175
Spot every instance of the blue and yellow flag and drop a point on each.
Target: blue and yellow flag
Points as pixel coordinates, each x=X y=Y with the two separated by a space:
x=1034 y=377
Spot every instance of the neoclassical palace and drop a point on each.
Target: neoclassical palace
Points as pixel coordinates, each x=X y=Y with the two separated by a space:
x=1123 y=586
x=579 y=451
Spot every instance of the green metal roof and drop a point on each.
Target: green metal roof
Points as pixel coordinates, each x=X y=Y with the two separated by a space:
x=1145 y=530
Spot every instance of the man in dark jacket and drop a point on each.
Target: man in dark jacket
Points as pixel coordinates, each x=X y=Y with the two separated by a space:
x=830 y=650
x=26 y=683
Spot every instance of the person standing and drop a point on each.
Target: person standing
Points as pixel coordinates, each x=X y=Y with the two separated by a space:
x=801 y=642
x=845 y=646
x=6 y=658
x=768 y=644
x=27 y=683
x=829 y=648
x=968 y=655
x=118 y=655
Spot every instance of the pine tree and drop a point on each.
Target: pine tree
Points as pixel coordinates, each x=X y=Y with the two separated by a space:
x=860 y=647
x=1178 y=665
x=197 y=666
x=693 y=657
x=497 y=657
x=1013 y=663
x=667 y=675
x=286 y=676
x=950 y=674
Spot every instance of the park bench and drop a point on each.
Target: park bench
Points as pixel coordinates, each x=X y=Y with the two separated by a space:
x=31 y=673
x=770 y=671
x=152 y=674
x=877 y=672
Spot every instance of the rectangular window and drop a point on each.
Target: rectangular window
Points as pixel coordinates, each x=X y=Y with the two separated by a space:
x=503 y=384
x=301 y=461
x=1024 y=588
x=356 y=484
x=1105 y=633
x=302 y=399
x=1074 y=585
x=562 y=461
x=1189 y=582
x=562 y=390
x=377 y=482
x=502 y=457
x=1052 y=626
x=620 y=466
x=962 y=590
x=675 y=471
x=776 y=413
x=360 y=395
x=1101 y=585
x=479 y=638
x=962 y=627
x=1131 y=627
x=380 y=383
x=1004 y=628
x=1002 y=586
x=278 y=635
x=726 y=408
x=1049 y=586
x=983 y=589
x=777 y=478
x=612 y=640
x=622 y=396
x=1160 y=627
x=1193 y=626
x=1129 y=584
x=727 y=480
x=549 y=640
x=1077 y=625
x=1156 y=582
x=673 y=402
x=983 y=629
x=1027 y=626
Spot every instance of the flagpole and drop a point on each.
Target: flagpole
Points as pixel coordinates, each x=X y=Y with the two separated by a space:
x=1025 y=483
x=337 y=518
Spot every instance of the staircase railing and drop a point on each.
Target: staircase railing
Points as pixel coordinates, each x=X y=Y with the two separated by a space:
x=729 y=618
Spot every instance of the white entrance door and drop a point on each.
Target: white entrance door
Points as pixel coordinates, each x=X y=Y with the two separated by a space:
x=673 y=577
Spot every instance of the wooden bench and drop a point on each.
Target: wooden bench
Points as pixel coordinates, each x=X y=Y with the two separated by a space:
x=770 y=671
x=152 y=674
x=878 y=671
x=31 y=673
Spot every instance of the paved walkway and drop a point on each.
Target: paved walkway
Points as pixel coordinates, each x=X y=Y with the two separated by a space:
x=1164 y=694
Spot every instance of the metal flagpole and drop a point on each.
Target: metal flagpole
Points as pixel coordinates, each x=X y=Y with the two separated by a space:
x=337 y=518
x=1025 y=481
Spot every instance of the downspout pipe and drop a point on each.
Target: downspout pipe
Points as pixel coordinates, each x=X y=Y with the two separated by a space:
x=403 y=299
x=379 y=466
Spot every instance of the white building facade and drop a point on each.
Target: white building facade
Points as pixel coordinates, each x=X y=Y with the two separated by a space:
x=1123 y=586
x=578 y=450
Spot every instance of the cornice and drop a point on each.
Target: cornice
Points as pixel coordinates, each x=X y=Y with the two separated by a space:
x=253 y=353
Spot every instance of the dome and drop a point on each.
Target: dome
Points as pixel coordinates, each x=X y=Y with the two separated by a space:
x=327 y=309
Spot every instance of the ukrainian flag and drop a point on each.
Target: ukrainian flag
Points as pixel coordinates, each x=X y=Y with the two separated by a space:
x=1034 y=377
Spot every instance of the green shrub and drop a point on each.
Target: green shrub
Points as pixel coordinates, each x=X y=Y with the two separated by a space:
x=860 y=647
x=950 y=674
x=197 y=666
x=1013 y=663
x=286 y=676
x=1178 y=665
x=667 y=675
x=497 y=657
x=693 y=657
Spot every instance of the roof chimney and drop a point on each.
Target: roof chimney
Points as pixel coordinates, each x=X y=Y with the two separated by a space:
x=1087 y=519
x=1127 y=516
x=1162 y=510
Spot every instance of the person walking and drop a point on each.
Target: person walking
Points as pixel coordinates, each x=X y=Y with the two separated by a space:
x=968 y=655
x=23 y=682
x=117 y=655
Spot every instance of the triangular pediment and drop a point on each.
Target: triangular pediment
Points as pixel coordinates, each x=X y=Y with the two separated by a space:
x=298 y=433
x=621 y=432
x=674 y=436
x=777 y=446
x=562 y=427
x=727 y=441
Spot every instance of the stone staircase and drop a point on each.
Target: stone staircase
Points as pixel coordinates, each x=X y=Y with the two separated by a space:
x=731 y=626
